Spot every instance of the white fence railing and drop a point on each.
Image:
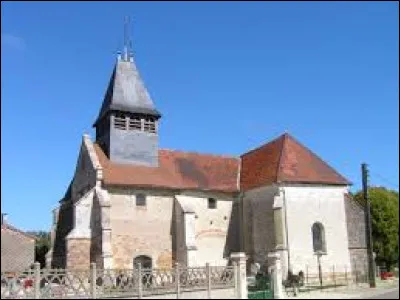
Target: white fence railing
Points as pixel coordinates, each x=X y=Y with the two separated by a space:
x=102 y=283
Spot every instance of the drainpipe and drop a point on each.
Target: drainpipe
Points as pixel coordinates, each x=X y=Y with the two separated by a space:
x=286 y=229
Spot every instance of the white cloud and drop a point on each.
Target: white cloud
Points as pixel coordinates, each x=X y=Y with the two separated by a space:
x=12 y=41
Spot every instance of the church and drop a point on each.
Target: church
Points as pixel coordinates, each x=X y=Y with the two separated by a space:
x=131 y=201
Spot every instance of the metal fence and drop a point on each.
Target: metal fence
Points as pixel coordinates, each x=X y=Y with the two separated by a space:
x=100 y=283
x=333 y=276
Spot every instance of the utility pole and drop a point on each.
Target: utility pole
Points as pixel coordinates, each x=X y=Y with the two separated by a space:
x=3 y=218
x=368 y=226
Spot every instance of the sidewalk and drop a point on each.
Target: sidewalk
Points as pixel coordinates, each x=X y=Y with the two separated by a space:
x=348 y=292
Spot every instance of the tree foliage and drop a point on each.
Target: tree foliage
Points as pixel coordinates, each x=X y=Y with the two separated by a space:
x=42 y=246
x=385 y=223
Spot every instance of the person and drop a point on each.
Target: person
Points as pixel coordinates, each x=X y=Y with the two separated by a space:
x=292 y=281
x=301 y=278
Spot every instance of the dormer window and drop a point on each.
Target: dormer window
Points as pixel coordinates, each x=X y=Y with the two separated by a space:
x=120 y=121
x=212 y=203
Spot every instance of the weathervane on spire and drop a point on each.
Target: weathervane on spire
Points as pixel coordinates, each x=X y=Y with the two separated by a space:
x=127 y=52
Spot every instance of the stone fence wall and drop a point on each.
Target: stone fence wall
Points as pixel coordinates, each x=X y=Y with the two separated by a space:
x=180 y=282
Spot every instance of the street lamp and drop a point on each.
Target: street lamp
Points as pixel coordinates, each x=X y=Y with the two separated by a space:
x=319 y=254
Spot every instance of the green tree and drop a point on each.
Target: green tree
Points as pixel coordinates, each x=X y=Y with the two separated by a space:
x=42 y=246
x=385 y=224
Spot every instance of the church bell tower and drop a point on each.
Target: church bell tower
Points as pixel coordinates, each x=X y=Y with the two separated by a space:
x=127 y=125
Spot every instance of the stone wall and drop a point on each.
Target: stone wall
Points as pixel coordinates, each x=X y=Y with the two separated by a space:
x=247 y=229
x=83 y=211
x=178 y=235
x=78 y=253
x=85 y=173
x=233 y=240
x=63 y=227
x=213 y=228
x=96 y=238
x=74 y=213
x=152 y=230
x=355 y=217
x=259 y=228
x=359 y=260
x=138 y=230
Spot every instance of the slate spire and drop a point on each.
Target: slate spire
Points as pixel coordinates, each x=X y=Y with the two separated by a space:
x=126 y=90
x=127 y=124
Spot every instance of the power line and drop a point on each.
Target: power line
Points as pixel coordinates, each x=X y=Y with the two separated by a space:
x=384 y=179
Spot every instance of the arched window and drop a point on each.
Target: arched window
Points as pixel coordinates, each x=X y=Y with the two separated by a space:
x=318 y=234
x=144 y=260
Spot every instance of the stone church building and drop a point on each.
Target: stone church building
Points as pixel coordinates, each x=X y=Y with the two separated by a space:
x=131 y=201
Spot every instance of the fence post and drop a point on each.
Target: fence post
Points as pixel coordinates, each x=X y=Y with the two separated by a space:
x=345 y=275
x=235 y=278
x=93 y=277
x=208 y=276
x=241 y=258
x=277 y=275
x=140 y=281
x=272 y=283
x=306 y=274
x=178 y=279
x=334 y=277
x=36 y=275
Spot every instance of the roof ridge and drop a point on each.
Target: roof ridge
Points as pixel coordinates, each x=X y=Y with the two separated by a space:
x=263 y=145
x=199 y=153
x=318 y=157
x=15 y=229
x=284 y=138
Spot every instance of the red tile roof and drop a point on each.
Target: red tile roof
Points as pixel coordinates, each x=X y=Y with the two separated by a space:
x=281 y=160
x=285 y=160
x=176 y=170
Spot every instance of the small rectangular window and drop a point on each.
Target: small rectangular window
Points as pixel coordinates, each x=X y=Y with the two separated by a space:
x=140 y=200
x=212 y=203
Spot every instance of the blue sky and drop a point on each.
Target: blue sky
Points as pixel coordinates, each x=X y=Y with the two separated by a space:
x=227 y=77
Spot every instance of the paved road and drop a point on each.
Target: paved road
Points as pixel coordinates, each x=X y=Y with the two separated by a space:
x=392 y=294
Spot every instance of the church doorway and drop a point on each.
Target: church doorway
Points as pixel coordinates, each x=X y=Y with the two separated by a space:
x=144 y=260
x=146 y=264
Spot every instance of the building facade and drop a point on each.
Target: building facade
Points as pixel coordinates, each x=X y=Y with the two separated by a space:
x=132 y=202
